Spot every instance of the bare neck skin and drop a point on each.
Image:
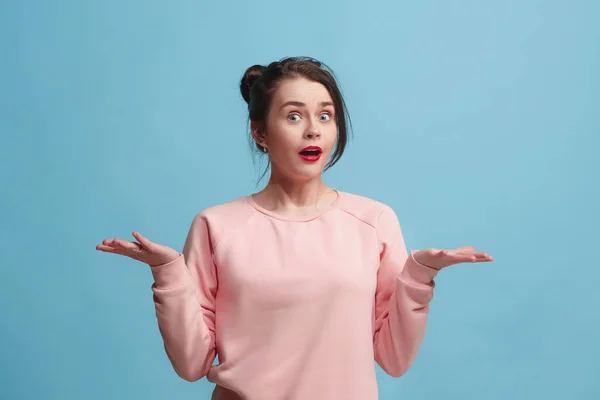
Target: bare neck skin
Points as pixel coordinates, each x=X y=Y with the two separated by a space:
x=295 y=198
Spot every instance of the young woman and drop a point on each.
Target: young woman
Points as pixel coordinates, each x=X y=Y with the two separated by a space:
x=300 y=288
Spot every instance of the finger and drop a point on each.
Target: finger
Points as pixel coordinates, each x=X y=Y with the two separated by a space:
x=456 y=256
x=459 y=258
x=482 y=256
x=106 y=243
x=469 y=250
x=145 y=243
x=103 y=247
x=465 y=249
x=136 y=255
x=473 y=257
x=485 y=258
x=109 y=249
x=127 y=246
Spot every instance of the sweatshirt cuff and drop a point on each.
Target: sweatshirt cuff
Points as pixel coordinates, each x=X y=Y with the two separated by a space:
x=173 y=274
x=416 y=272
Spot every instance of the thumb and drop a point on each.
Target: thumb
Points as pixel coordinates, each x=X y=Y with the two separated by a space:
x=143 y=241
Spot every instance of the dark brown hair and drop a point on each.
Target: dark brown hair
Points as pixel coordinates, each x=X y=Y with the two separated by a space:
x=259 y=84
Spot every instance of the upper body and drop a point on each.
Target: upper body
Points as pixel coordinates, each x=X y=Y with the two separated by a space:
x=299 y=289
x=295 y=308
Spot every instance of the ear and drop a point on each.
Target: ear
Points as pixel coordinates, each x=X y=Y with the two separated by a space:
x=258 y=133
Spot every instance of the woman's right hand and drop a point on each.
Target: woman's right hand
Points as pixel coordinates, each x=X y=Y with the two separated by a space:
x=143 y=250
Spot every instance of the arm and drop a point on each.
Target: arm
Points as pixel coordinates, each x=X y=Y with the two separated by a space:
x=184 y=292
x=404 y=291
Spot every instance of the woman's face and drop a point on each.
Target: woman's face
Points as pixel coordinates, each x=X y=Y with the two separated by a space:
x=301 y=129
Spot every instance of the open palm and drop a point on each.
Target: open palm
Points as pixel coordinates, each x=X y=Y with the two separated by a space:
x=143 y=250
x=438 y=259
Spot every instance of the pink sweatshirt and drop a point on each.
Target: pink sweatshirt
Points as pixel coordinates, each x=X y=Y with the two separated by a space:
x=296 y=309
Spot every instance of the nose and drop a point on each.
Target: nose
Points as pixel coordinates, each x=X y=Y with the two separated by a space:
x=312 y=132
x=312 y=135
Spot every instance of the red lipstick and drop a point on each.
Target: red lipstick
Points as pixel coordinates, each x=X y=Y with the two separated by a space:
x=311 y=153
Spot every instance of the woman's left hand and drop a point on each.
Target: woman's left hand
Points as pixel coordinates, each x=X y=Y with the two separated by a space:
x=438 y=259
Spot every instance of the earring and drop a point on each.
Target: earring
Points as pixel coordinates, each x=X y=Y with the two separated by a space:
x=265 y=149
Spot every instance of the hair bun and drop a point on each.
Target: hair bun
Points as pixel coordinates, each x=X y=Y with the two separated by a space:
x=250 y=77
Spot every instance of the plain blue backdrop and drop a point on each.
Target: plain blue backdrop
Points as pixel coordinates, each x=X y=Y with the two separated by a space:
x=477 y=121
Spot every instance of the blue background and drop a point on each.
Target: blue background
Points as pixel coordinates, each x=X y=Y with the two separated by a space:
x=477 y=121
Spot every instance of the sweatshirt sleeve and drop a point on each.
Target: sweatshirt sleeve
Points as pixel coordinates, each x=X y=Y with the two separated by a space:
x=184 y=293
x=404 y=291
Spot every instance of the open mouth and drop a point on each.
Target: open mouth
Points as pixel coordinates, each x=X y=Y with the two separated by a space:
x=311 y=153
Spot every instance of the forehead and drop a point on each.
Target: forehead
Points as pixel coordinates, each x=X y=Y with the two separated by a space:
x=300 y=89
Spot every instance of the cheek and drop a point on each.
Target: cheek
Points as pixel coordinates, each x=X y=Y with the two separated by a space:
x=331 y=137
x=284 y=137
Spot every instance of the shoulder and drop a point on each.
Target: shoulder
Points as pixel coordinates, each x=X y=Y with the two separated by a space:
x=220 y=218
x=380 y=216
x=366 y=209
x=232 y=209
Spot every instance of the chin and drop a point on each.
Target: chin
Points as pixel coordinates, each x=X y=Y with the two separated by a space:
x=309 y=172
x=301 y=171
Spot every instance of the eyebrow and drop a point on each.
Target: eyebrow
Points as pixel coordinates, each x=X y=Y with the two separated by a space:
x=301 y=104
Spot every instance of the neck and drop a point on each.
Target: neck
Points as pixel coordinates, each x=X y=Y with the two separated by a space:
x=287 y=195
